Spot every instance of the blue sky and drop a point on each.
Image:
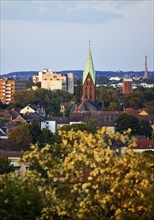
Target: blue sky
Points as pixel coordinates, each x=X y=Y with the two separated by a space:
x=55 y=34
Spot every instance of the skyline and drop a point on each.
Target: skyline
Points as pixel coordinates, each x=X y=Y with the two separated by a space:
x=55 y=35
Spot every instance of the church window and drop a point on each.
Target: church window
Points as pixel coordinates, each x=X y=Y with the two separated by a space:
x=86 y=93
x=90 y=93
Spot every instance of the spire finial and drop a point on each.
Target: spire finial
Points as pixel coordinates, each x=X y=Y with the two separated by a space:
x=89 y=44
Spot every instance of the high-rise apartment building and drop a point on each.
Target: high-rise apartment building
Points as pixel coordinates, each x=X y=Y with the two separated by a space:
x=53 y=81
x=8 y=88
x=70 y=83
x=127 y=85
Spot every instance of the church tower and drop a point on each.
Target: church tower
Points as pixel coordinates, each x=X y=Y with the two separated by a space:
x=89 y=81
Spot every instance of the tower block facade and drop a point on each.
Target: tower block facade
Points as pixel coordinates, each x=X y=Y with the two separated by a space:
x=89 y=81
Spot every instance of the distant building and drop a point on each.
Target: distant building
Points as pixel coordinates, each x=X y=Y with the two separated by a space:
x=8 y=88
x=14 y=158
x=49 y=124
x=127 y=85
x=53 y=81
x=145 y=69
x=116 y=78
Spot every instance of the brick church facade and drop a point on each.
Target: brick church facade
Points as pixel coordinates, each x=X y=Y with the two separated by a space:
x=88 y=100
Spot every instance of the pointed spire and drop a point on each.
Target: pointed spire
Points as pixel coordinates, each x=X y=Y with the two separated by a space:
x=89 y=69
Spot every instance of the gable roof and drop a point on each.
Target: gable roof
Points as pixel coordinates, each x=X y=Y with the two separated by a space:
x=89 y=68
x=5 y=114
x=27 y=109
x=143 y=113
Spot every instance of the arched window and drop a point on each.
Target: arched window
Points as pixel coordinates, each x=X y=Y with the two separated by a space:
x=90 y=93
x=85 y=92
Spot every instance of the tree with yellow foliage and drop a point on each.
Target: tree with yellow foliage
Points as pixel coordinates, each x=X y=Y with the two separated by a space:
x=83 y=177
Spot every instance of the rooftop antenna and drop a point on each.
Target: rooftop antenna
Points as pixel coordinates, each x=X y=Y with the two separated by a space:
x=89 y=44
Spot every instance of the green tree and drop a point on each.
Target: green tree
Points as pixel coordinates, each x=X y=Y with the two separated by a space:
x=82 y=127
x=34 y=131
x=46 y=137
x=125 y=121
x=78 y=91
x=113 y=106
x=23 y=98
x=150 y=107
x=134 y=99
x=148 y=95
x=19 y=198
x=5 y=166
x=20 y=138
x=145 y=129
x=48 y=99
x=108 y=96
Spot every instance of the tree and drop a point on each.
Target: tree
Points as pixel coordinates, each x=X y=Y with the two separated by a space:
x=3 y=106
x=23 y=98
x=79 y=127
x=20 y=138
x=145 y=129
x=150 y=107
x=5 y=166
x=90 y=181
x=19 y=198
x=113 y=106
x=46 y=137
x=91 y=123
x=78 y=91
x=134 y=99
x=34 y=131
x=50 y=100
x=125 y=121
x=107 y=95
x=148 y=95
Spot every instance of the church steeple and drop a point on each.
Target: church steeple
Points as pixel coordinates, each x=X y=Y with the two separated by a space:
x=89 y=80
x=89 y=69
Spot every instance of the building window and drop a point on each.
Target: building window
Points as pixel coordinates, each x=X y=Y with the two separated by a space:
x=90 y=93
x=86 y=93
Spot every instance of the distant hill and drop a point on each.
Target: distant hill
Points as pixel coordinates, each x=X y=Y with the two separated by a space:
x=20 y=74
x=78 y=73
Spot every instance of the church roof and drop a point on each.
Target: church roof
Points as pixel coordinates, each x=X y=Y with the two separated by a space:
x=85 y=106
x=89 y=68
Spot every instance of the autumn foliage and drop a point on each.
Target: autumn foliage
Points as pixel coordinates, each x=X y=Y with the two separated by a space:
x=85 y=177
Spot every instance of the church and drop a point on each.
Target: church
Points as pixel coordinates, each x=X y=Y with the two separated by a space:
x=88 y=100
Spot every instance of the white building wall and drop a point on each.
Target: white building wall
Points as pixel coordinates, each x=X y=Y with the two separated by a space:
x=51 y=125
x=70 y=83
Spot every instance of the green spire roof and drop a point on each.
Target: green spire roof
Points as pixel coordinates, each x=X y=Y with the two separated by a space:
x=89 y=68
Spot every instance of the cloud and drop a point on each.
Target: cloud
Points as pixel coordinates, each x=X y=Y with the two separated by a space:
x=60 y=11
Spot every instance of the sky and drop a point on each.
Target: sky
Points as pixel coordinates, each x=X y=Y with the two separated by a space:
x=41 y=34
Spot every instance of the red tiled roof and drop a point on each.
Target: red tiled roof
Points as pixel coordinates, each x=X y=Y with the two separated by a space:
x=11 y=153
x=5 y=114
x=145 y=144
